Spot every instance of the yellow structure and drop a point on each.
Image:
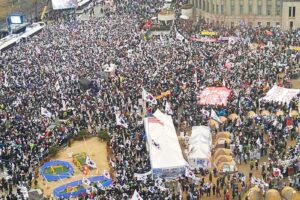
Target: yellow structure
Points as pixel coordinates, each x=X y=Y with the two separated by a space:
x=54 y=167
x=77 y=158
x=72 y=189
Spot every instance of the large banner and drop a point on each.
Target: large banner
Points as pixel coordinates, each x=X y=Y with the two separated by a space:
x=280 y=94
x=214 y=96
x=64 y=4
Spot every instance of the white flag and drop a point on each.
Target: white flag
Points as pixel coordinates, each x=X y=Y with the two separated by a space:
x=90 y=163
x=189 y=173
x=106 y=174
x=57 y=86
x=214 y=115
x=45 y=112
x=136 y=196
x=86 y=181
x=168 y=108
x=148 y=97
x=120 y=121
x=179 y=36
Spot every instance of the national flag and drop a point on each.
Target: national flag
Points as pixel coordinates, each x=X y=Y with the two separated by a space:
x=146 y=96
x=136 y=196
x=214 y=116
x=179 y=36
x=86 y=181
x=205 y=112
x=106 y=174
x=99 y=185
x=151 y=189
x=155 y=120
x=120 y=121
x=90 y=163
x=45 y=112
x=168 y=108
x=189 y=173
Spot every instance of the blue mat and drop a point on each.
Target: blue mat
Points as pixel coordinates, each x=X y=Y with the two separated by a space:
x=59 y=191
x=55 y=177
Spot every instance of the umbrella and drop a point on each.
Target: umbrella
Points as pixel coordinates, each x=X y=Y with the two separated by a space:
x=265 y=113
x=294 y=113
x=233 y=116
x=279 y=113
x=251 y=114
x=184 y=17
x=85 y=84
x=213 y=123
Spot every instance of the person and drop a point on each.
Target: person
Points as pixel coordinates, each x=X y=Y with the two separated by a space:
x=218 y=191
x=214 y=189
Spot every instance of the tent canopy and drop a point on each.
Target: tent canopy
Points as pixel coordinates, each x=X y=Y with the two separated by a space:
x=272 y=195
x=200 y=142
x=280 y=94
x=222 y=151
x=223 y=135
x=164 y=148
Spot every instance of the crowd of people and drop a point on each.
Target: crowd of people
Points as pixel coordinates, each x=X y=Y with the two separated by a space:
x=47 y=72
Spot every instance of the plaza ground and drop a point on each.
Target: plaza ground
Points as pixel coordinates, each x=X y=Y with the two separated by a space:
x=93 y=147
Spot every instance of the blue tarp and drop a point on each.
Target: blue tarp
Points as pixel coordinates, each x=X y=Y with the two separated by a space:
x=55 y=177
x=59 y=191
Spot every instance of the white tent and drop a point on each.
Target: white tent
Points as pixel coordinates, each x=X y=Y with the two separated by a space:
x=280 y=94
x=165 y=153
x=200 y=144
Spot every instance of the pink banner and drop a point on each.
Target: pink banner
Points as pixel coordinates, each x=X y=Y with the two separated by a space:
x=214 y=96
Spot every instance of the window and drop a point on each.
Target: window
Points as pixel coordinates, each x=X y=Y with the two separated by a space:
x=222 y=9
x=232 y=24
x=241 y=9
x=207 y=8
x=250 y=9
x=200 y=4
x=291 y=25
x=203 y=5
x=217 y=9
x=268 y=24
x=277 y=24
x=277 y=7
x=213 y=8
x=232 y=9
x=259 y=10
x=292 y=11
x=269 y=7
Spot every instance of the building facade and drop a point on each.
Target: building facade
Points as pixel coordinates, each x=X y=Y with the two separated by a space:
x=251 y=12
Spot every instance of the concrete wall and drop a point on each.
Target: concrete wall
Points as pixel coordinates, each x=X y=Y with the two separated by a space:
x=286 y=20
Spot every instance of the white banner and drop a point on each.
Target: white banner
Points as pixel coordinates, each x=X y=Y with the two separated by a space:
x=142 y=177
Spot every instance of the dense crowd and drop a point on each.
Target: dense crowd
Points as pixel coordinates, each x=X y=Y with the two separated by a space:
x=47 y=72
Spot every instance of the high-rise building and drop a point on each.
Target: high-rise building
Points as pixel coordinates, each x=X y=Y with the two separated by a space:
x=283 y=13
